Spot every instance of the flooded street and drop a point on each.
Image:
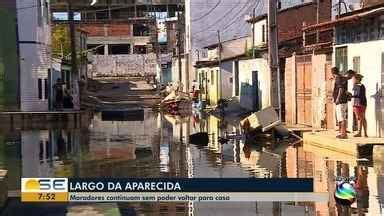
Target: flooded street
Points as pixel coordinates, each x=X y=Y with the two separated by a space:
x=149 y=144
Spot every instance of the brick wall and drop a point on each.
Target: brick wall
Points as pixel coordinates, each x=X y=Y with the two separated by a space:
x=291 y=20
x=368 y=3
x=123 y=65
x=108 y=29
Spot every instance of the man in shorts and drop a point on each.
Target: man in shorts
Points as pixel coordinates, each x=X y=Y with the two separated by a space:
x=340 y=98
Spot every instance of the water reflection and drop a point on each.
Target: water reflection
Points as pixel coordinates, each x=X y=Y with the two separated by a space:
x=155 y=145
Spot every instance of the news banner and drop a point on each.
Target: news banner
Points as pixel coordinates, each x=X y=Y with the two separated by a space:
x=168 y=190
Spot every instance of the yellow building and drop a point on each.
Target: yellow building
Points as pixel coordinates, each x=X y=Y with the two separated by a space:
x=208 y=78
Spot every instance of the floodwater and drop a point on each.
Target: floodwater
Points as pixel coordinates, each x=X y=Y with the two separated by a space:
x=156 y=145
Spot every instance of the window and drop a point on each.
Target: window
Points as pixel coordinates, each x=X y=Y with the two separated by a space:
x=46 y=88
x=212 y=77
x=342 y=59
x=46 y=11
x=39 y=13
x=40 y=88
x=140 y=30
x=263 y=33
x=98 y=49
x=102 y=15
x=236 y=78
x=356 y=64
x=119 y=49
x=140 y=49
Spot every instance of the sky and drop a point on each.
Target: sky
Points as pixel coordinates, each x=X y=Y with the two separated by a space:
x=64 y=16
x=228 y=16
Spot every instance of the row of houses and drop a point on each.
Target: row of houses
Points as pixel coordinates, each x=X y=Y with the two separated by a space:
x=309 y=46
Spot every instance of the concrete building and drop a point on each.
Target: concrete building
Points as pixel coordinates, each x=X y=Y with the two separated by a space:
x=204 y=18
x=216 y=76
x=254 y=84
x=123 y=34
x=305 y=63
x=25 y=55
x=346 y=51
x=352 y=40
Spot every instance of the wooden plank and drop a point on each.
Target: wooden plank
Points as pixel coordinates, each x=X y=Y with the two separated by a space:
x=288 y=91
x=308 y=93
x=300 y=81
x=330 y=112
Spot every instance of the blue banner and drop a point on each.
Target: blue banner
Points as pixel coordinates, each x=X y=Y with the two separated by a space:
x=190 y=185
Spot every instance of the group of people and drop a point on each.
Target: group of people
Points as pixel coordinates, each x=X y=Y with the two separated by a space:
x=63 y=98
x=341 y=97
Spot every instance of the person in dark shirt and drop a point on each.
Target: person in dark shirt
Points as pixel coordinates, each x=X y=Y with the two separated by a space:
x=340 y=98
x=67 y=100
x=59 y=94
x=359 y=104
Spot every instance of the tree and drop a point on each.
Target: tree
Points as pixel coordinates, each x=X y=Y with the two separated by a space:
x=61 y=44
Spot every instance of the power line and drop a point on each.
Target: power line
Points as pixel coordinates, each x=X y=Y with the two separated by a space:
x=209 y=12
x=236 y=19
x=221 y=18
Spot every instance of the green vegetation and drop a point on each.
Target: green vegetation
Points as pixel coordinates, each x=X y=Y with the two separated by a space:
x=9 y=74
x=61 y=44
x=249 y=52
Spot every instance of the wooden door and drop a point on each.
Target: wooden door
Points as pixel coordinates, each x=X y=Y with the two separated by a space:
x=304 y=93
x=330 y=107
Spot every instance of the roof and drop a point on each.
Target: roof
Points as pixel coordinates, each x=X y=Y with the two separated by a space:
x=364 y=9
x=348 y=17
x=257 y=18
x=265 y=16
x=217 y=44
x=200 y=64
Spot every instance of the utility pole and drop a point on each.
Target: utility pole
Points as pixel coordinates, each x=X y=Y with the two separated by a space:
x=253 y=34
x=219 y=71
x=178 y=33
x=317 y=20
x=274 y=54
x=72 y=32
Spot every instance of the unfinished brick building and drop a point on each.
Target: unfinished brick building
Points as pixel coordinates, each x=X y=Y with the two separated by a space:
x=123 y=34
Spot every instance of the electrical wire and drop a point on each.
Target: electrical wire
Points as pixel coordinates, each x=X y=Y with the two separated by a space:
x=236 y=19
x=209 y=12
x=240 y=29
x=221 y=18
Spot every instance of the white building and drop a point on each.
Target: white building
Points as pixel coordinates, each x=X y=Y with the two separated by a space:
x=33 y=24
x=359 y=46
x=216 y=78
x=204 y=18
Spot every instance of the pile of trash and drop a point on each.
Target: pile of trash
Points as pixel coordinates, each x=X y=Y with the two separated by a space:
x=176 y=103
